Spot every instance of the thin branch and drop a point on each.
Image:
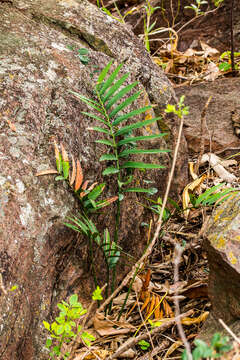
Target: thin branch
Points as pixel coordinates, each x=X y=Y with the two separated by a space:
x=176 y=260
x=229 y=331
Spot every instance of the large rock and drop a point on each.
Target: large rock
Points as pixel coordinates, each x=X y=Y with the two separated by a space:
x=225 y=99
x=223 y=249
x=39 y=254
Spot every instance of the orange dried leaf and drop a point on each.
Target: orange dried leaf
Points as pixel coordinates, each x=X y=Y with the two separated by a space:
x=47 y=172
x=147 y=280
x=146 y=302
x=92 y=186
x=64 y=153
x=85 y=184
x=57 y=153
x=151 y=306
x=167 y=309
x=157 y=307
x=197 y=320
x=71 y=181
x=110 y=200
x=79 y=176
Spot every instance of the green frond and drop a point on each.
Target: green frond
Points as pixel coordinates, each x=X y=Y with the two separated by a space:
x=110 y=170
x=95 y=117
x=139 y=138
x=120 y=95
x=141 y=151
x=110 y=79
x=115 y=87
x=99 y=129
x=137 y=125
x=140 y=165
x=104 y=72
x=65 y=167
x=124 y=104
x=89 y=102
x=107 y=157
x=105 y=142
x=121 y=118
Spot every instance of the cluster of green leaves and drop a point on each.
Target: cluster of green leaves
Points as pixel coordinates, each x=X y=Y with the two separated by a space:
x=86 y=226
x=197 y=7
x=65 y=329
x=213 y=195
x=218 y=347
x=180 y=109
x=82 y=54
x=225 y=59
x=110 y=100
x=144 y=345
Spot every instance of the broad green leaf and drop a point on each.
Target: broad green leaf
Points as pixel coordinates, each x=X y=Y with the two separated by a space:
x=120 y=94
x=110 y=79
x=110 y=170
x=105 y=142
x=48 y=343
x=65 y=166
x=94 y=194
x=73 y=299
x=63 y=308
x=115 y=87
x=95 y=117
x=107 y=157
x=141 y=151
x=137 y=125
x=99 y=129
x=139 y=138
x=141 y=165
x=124 y=104
x=46 y=325
x=121 y=118
x=89 y=102
x=150 y=191
x=59 y=329
x=104 y=72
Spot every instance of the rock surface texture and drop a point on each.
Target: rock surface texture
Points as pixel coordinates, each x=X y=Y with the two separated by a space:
x=225 y=99
x=37 y=70
x=223 y=248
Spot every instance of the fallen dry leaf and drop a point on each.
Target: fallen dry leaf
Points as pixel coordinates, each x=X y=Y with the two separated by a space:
x=47 y=172
x=105 y=326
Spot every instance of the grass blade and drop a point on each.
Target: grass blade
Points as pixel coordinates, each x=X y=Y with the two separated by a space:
x=150 y=191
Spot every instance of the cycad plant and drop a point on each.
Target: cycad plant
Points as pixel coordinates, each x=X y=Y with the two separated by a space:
x=110 y=103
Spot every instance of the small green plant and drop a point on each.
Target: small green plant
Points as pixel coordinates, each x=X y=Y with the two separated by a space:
x=218 y=347
x=180 y=109
x=65 y=329
x=144 y=345
x=197 y=7
x=82 y=54
x=213 y=195
x=110 y=99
